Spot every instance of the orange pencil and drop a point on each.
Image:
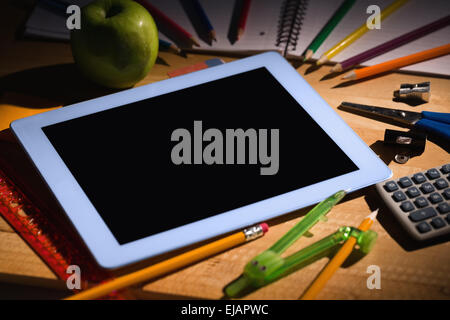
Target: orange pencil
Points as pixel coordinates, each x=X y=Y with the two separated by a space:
x=397 y=63
x=172 y=264
x=337 y=260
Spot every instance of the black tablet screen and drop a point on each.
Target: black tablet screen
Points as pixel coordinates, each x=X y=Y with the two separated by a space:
x=166 y=161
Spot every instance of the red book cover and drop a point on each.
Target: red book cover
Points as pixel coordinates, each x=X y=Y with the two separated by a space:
x=29 y=207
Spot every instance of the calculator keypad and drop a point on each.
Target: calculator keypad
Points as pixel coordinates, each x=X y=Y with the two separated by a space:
x=445 y=169
x=427 y=187
x=413 y=192
x=407 y=206
x=433 y=174
x=421 y=201
x=446 y=194
x=419 y=178
x=443 y=207
x=441 y=184
x=405 y=182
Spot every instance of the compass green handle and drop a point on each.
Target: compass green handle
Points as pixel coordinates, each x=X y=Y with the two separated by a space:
x=269 y=266
x=308 y=221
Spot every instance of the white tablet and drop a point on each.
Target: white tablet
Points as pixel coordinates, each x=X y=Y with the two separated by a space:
x=158 y=167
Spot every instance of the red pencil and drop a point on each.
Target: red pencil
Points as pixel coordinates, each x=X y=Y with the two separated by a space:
x=162 y=18
x=243 y=19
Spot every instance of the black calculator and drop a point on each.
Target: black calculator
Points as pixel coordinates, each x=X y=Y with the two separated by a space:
x=421 y=202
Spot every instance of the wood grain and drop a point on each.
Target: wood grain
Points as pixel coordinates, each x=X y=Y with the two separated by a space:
x=407 y=271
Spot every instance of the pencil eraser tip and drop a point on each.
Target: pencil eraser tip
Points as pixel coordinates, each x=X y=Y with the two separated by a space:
x=265 y=227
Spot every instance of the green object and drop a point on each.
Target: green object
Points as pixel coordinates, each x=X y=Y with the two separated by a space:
x=117 y=43
x=312 y=217
x=331 y=24
x=270 y=266
x=268 y=262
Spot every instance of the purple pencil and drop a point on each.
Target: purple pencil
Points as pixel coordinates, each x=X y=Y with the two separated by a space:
x=392 y=44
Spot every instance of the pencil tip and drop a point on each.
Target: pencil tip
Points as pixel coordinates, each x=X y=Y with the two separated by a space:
x=239 y=33
x=373 y=215
x=212 y=35
x=336 y=68
x=322 y=60
x=349 y=76
x=175 y=49
x=309 y=53
x=195 y=42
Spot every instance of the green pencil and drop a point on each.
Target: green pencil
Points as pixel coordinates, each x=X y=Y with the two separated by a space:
x=326 y=30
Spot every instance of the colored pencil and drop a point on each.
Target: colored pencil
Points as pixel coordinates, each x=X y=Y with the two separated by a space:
x=204 y=19
x=164 y=19
x=398 y=63
x=166 y=45
x=326 y=30
x=334 y=264
x=172 y=264
x=243 y=19
x=352 y=37
x=392 y=44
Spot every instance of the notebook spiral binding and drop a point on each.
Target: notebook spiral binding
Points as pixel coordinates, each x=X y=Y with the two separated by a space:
x=290 y=24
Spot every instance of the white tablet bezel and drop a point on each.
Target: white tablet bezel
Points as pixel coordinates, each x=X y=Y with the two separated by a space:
x=95 y=233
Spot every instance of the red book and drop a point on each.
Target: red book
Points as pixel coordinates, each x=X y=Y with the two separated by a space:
x=28 y=206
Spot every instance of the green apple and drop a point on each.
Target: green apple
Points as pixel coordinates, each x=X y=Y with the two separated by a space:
x=117 y=44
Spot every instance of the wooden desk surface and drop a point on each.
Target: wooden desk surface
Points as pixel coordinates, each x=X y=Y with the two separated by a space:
x=407 y=272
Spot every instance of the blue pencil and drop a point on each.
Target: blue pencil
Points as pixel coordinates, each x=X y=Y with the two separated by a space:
x=205 y=20
x=166 y=45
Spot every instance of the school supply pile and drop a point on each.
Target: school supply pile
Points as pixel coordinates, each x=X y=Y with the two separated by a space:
x=290 y=27
x=270 y=266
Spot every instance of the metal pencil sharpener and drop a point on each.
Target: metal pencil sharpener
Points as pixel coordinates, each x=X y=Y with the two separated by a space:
x=407 y=144
x=418 y=92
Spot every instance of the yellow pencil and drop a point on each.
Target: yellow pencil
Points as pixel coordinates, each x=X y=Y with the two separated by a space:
x=337 y=260
x=352 y=37
x=172 y=264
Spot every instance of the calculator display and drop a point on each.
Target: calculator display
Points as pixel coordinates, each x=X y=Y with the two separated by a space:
x=177 y=158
